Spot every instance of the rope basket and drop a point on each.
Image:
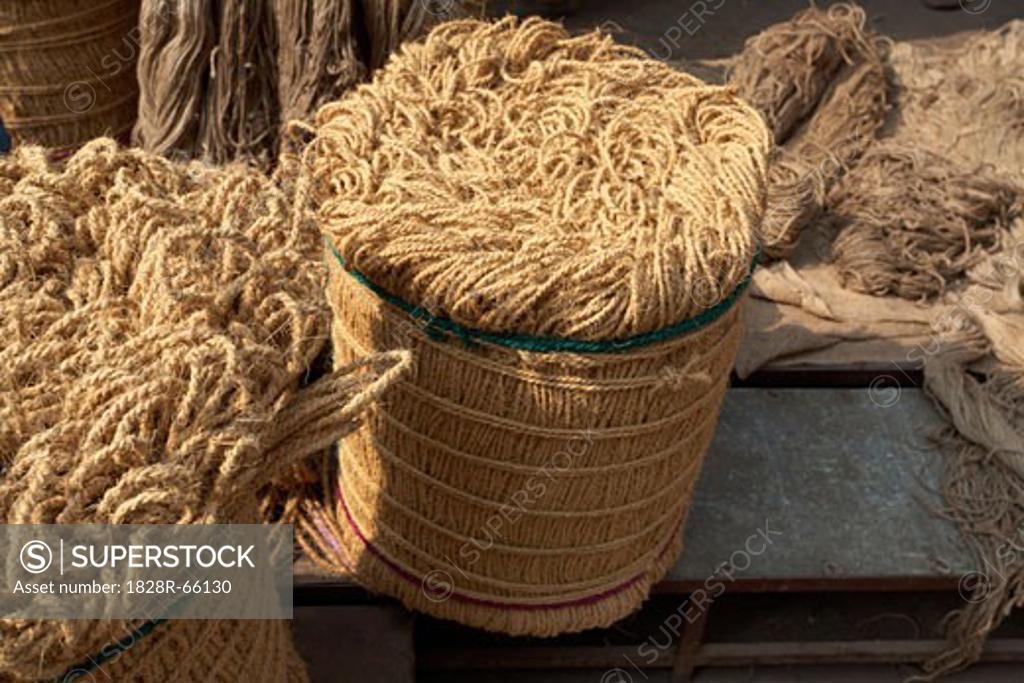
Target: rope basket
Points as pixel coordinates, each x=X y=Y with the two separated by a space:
x=67 y=70
x=561 y=231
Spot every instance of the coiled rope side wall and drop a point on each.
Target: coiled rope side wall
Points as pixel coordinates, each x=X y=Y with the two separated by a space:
x=67 y=70
x=531 y=194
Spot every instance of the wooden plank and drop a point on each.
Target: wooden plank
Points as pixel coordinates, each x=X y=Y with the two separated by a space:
x=315 y=587
x=817 y=484
x=860 y=652
x=356 y=644
x=802 y=489
x=687 y=651
x=628 y=658
x=540 y=657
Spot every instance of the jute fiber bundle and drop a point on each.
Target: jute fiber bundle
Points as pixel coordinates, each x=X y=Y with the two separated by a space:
x=219 y=79
x=911 y=222
x=973 y=82
x=560 y=229
x=982 y=479
x=67 y=70
x=327 y=48
x=821 y=82
x=930 y=224
x=156 y=321
x=319 y=55
x=785 y=70
x=241 y=114
x=207 y=78
x=924 y=207
x=963 y=102
x=390 y=22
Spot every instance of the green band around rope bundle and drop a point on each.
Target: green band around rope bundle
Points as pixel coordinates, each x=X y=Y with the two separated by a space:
x=437 y=327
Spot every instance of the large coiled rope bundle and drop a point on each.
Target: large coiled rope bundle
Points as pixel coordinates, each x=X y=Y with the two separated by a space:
x=560 y=229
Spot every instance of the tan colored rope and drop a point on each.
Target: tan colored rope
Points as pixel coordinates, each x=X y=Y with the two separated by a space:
x=681 y=473
x=513 y=179
x=911 y=222
x=68 y=70
x=821 y=83
x=219 y=651
x=156 y=321
x=785 y=70
x=527 y=592
x=531 y=182
x=615 y=460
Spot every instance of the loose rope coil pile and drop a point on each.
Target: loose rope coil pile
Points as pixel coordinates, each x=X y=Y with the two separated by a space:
x=785 y=70
x=156 y=321
x=820 y=81
x=560 y=229
x=67 y=70
x=911 y=222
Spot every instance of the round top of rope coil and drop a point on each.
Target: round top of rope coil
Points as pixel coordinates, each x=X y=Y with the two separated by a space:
x=516 y=180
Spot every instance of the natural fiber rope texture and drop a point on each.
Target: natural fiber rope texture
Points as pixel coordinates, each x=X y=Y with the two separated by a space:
x=964 y=103
x=218 y=651
x=439 y=326
x=517 y=180
x=545 y=490
x=814 y=159
x=785 y=70
x=156 y=320
x=932 y=211
x=241 y=100
x=220 y=79
x=318 y=59
x=821 y=81
x=911 y=222
x=174 y=63
x=67 y=70
x=981 y=484
x=524 y=187
x=207 y=76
